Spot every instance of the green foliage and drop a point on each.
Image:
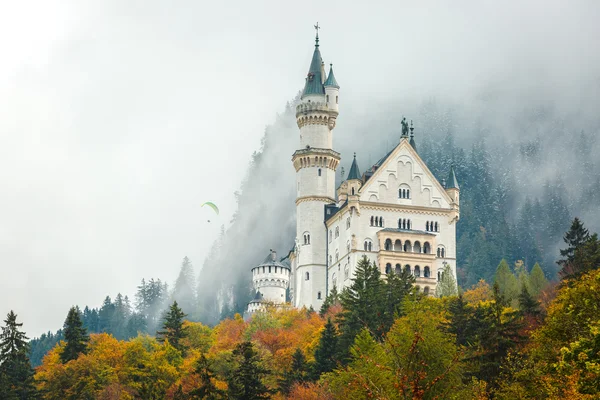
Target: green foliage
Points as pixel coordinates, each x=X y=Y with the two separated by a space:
x=527 y=304
x=507 y=282
x=75 y=335
x=16 y=374
x=207 y=389
x=296 y=374
x=173 y=329
x=537 y=280
x=245 y=382
x=574 y=237
x=327 y=350
x=446 y=287
x=333 y=298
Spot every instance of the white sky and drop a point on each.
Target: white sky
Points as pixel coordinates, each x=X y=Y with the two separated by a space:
x=118 y=119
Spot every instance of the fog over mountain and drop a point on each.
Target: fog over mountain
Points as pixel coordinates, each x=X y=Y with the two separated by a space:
x=117 y=120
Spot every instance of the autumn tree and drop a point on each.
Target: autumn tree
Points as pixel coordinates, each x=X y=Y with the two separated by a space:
x=173 y=329
x=16 y=374
x=446 y=287
x=245 y=381
x=75 y=335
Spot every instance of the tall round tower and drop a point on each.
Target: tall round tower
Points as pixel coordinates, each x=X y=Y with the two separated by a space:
x=315 y=163
x=271 y=279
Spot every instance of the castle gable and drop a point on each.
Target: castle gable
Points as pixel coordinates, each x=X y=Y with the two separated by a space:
x=403 y=178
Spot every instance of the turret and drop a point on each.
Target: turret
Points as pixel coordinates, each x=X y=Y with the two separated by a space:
x=332 y=91
x=271 y=279
x=452 y=187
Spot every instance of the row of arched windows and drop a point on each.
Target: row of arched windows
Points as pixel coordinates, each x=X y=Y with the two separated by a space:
x=416 y=271
x=404 y=193
x=404 y=223
x=426 y=290
x=368 y=245
x=377 y=221
x=431 y=226
x=407 y=246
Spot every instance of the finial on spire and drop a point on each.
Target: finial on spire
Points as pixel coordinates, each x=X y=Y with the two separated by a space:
x=354 y=154
x=411 y=129
x=317 y=27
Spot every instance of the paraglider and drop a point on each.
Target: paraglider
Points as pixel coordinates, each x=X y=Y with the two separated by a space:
x=211 y=205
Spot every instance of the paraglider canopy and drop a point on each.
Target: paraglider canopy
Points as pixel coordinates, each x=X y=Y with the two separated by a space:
x=211 y=205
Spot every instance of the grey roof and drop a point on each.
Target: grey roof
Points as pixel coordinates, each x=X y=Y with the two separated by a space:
x=271 y=260
x=408 y=231
x=331 y=78
x=354 y=171
x=314 y=80
x=451 y=182
x=258 y=295
x=412 y=143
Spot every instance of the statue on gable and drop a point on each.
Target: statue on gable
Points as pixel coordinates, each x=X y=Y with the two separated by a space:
x=404 y=127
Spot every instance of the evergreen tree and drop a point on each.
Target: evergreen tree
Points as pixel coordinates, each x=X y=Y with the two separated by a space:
x=76 y=337
x=507 y=282
x=574 y=237
x=459 y=321
x=296 y=374
x=16 y=374
x=446 y=287
x=245 y=382
x=396 y=287
x=105 y=316
x=326 y=351
x=173 y=329
x=587 y=257
x=333 y=298
x=90 y=319
x=537 y=280
x=527 y=304
x=136 y=325
x=364 y=306
x=207 y=389
x=40 y=346
x=184 y=291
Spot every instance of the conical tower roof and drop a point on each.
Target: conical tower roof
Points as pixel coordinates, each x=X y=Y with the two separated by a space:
x=354 y=171
x=452 y=183
x=331 y=79
x=314 y=80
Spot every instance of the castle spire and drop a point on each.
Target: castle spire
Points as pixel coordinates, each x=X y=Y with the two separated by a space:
x=412 y=136
x=452 y=183
x=354 y=171
x=314 y=79
x=331 y=79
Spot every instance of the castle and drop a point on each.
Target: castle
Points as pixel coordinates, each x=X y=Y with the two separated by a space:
x=395 y=213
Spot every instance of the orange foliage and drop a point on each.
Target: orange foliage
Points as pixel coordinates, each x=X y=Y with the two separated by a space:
x=478 y=293
x=310 y=391
x=227 y=334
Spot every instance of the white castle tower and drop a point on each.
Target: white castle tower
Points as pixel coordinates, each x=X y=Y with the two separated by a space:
x=270 y=280
x=315 y=163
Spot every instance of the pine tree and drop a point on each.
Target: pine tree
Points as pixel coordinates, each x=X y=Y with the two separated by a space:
x=507 y=282
x=207 y=389
x=184 y=291
x=574 y=237
x=537 y=280
x=364 y=306
x=296 y=374
x=245 y=382
x=16 y=374
x=173 y=329
x=75 y=336
x=396 y=287
x=326 y=351
x=105 y=316
x=446 y=287
x=527 y=304
x=459 y=321
x=333 y=298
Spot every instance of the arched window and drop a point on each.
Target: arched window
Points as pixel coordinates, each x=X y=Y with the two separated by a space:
x=417 y=247
x=307 y=276
x=319 y=295
x=337 y=256
x=397 y=245
x=381 y=221
x=370 y=246
x=427 y=226
x=408 y=224
x=337 y=231
x=319 y=171
x=352 y=191
x=388 y=268
x=348 y=223
x=328 y=98
x=367 y=246
x=407 y=245
x=417 y=271
x=438 y=252
x=426 y=290
x=426 y=272
x=388 y=244
x=376 y=221
x=437 y=229
x=308 y=238
x=372 y=219
x=398 y=269
x=408 y=193
x=407 y=268
x=443 y=253
x=426 y=248
x=439 y=274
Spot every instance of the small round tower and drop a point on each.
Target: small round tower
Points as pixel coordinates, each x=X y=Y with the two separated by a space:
x=271 y=279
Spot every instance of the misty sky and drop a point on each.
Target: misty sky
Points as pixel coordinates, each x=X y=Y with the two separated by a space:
x=118 y=119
